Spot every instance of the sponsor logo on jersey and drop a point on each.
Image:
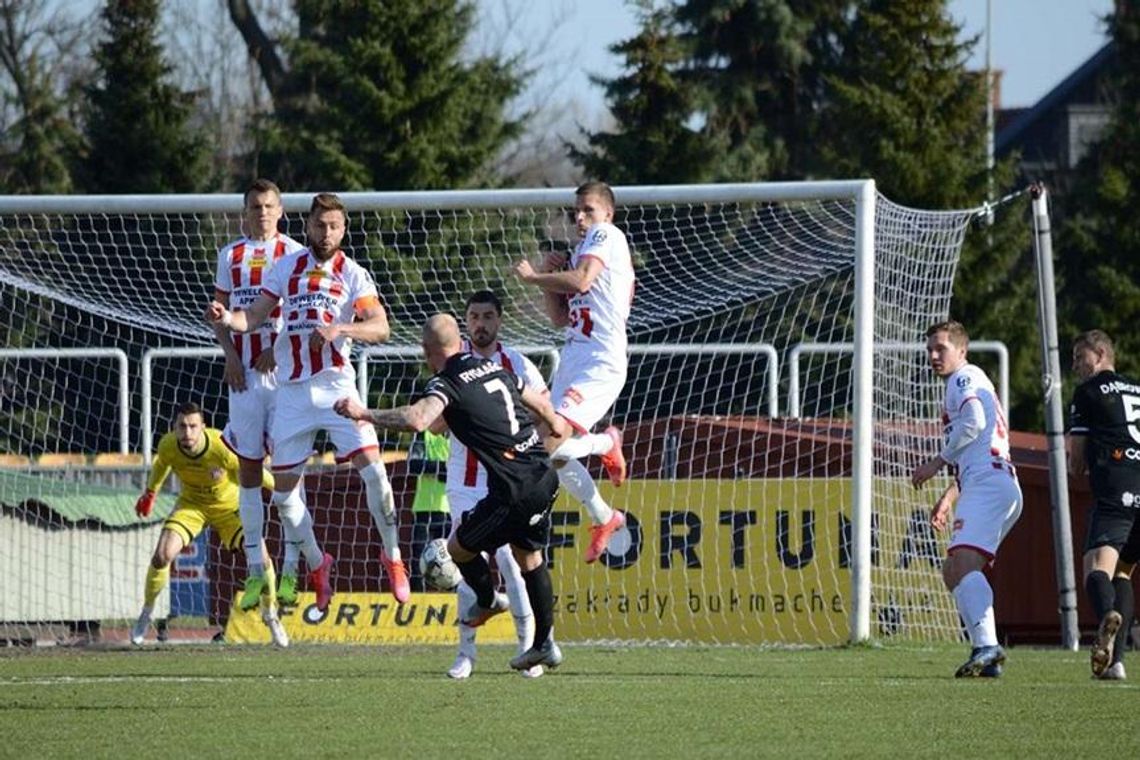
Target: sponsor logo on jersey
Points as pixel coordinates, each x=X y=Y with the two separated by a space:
x=572 y=395
x=599 y=236
x=1122 y=454
x=258 y=262
x=217 y=473
x=958 y=524
x=963 y=381
x=315 y=273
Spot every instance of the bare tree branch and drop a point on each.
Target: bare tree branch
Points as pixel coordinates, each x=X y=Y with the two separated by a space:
x=260 y=46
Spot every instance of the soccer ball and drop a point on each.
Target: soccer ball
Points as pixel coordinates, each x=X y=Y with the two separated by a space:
x=437 y=567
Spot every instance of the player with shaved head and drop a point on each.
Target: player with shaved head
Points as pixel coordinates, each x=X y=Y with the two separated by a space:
x=491 y=412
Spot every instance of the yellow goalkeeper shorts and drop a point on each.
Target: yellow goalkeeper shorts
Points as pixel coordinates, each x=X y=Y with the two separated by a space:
x=188 y=522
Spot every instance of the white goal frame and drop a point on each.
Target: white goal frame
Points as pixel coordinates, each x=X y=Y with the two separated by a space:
x=861 y=193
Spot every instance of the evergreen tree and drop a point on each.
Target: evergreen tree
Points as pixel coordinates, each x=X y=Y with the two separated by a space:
x=652 y=105
x=139 y=129
x=904 y=110
x=376 y=95
x=761 y=66
x=1098 y=241
x=720 y=90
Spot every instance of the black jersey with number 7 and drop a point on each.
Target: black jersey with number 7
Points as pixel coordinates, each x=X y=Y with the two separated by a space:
x=484 y=410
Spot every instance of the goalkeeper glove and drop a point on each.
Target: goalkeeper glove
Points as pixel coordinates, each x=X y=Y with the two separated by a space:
x=145 y=504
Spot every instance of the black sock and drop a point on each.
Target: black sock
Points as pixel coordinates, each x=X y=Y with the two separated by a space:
x=1100 y=592
x=477 y=573
x=1125 y=605
x=540 y=590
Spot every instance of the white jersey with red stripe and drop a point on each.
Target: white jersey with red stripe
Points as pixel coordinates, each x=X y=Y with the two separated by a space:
x=464 y=473
x=599 y=315
x=242 y=268
x=990 y=449
x=314 y=294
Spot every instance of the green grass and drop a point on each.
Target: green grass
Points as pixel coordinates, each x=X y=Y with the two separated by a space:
x=214 y=701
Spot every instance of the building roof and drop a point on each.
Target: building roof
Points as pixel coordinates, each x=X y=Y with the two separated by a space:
x=1009 y=136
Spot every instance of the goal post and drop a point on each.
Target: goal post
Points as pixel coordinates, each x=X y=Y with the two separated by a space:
x=746 y=527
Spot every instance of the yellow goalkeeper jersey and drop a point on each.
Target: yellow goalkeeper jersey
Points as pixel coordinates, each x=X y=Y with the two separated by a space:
x=209 y=478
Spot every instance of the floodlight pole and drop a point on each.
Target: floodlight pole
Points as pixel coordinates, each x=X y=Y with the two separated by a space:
x=1054 y=426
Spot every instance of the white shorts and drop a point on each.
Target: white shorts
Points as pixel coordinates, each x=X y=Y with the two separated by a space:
x=462 y=500
x=251 y=411
x=304 y=408
x=988 y=506
x=586 y=385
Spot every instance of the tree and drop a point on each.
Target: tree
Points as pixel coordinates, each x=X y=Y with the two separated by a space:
x=375 y=95
x=904 y=110
x=1099 y=235
x=139 y=130
x=652 y=105
x=761 y=66
x=38 y=138
x=726 y=90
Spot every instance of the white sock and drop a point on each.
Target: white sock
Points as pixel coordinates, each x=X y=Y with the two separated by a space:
x=515 y=587
x=252 y=515
x=976 y=606
x=382 y=505
x=297 y=524
x=583 y=446
x=292 y=542
x=466 y=598
x=575 y=479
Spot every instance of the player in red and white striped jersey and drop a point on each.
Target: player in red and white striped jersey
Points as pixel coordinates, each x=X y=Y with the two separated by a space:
x=327 y=300
x=243 y=266
x=591 y=298
x=467 y=481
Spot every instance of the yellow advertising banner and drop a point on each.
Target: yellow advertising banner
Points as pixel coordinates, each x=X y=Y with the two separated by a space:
x=368 y=618
x=708 y=560
x=728 y=561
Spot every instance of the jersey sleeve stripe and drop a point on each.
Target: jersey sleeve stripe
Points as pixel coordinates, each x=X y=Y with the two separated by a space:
x=367 y=302
x=439 y=396
x=967 y=400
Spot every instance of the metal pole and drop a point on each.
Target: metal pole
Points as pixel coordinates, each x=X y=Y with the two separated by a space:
x=1054 y=426
x=989 y=113
x=863 y=432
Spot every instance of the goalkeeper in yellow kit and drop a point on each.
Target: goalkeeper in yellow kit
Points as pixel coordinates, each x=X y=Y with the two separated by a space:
x=208 y=472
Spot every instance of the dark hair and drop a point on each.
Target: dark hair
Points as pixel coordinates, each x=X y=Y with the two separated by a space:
x=955 y=330
x=327 y=202
x=600 y=189
x=262 y=185
x=485 y=296
x=188 y=408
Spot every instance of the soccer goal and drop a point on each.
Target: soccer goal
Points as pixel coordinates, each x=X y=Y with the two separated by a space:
x=746 y=524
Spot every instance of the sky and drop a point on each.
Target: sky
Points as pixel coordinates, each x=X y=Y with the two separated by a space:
x=1036 y=43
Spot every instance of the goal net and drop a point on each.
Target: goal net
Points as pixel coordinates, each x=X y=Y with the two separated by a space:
x=775 y=406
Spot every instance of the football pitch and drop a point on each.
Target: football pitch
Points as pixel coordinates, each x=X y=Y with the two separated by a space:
x=604 y=702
